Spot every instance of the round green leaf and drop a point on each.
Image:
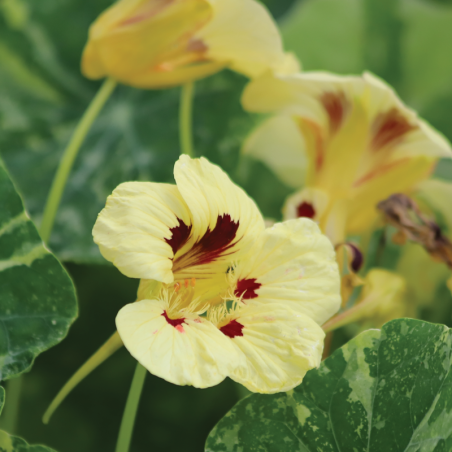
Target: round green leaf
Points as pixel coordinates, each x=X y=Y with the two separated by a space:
x=388 y=390
x=38 y=301
x=10 y=443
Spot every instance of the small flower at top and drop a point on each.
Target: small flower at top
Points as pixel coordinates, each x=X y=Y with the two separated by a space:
x=348 y=140
x=163 y=43
x=236 y=299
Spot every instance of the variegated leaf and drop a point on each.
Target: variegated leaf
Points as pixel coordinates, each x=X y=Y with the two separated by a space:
x=388 y=390
x=37 y=298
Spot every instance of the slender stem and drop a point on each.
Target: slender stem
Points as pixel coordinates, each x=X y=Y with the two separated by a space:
x=186 y=119
x=350 y=315
x=104 y=352
x=130 y=411
x=10 y=415
x=69 y=155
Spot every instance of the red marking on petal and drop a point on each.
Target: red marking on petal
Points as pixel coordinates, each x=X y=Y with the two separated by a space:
x=232 y=329
x=180 y=328
x=197 y=46
x=179 y=237
x=305 y=210
x=173 y=322
x=213 y=244
x=246 y=288
x=314 y=140
x=389 y=127
x=335 y=104
x=152 y=8
x=379 y=171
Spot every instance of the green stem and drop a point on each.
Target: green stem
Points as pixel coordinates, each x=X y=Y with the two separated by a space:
x=185 y=119
x=10 y=414
x=69 y=155
x=130 y=412
x=353 y=314
x=111 y=346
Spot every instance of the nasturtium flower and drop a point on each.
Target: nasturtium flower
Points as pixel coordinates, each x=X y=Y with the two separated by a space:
x=162 y=43
x=355 y=144
x=235 y=300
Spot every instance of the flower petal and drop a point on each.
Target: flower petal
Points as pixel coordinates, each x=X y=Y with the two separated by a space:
x=295 y=266
x=141 y=228
x=243 y=33
x=279 y=346
x=279 y=144
x=185 y=351
x=225 y=220
x=134 y=37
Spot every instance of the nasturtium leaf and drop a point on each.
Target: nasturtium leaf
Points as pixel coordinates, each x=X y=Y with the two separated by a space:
x=9 y=443
x=388 y=390
x=38 y=301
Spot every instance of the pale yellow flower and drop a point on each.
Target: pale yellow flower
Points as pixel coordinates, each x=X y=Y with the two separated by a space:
x=237 y=299
x=162 y=43
x=349 y=140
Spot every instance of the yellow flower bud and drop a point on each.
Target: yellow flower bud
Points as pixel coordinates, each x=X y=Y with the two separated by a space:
x=162 y=43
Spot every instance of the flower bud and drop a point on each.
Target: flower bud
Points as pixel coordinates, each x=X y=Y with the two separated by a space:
x=162 y=43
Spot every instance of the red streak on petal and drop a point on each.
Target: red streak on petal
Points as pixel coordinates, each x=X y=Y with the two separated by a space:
x=305 y=210
x=173 y=322
x=152 y=8
x=379 y=171
x=213 y=244
x=246 y=288
x=179 y=237
x=389 y=127
x=232 y=329
x=335 y=105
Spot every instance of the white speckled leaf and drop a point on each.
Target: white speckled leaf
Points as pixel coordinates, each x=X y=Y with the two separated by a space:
x=38 y=301
x=388 y=390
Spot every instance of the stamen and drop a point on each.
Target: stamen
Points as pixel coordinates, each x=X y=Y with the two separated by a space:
x=176 y=287
x=193 y=282
x=186 y=283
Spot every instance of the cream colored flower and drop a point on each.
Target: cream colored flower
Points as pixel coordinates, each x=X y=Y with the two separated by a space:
x=236 y=299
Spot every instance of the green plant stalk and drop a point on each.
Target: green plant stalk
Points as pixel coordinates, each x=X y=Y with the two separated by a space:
x=69 y=155
x=111 y=346
x=186 y=119
x=130 y=411
x=10 y=415
x=350 y=315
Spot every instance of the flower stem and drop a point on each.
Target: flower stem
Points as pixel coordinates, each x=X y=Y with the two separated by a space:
x=104 y=352
x=350 y=315
x=10 y=415
x=69 y=155
x=130 y=411
x=185 y=119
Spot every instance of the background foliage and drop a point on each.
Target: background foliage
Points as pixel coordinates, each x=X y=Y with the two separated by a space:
x=42 y=96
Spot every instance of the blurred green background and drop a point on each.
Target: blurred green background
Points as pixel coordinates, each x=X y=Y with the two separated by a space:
x=43 y=95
